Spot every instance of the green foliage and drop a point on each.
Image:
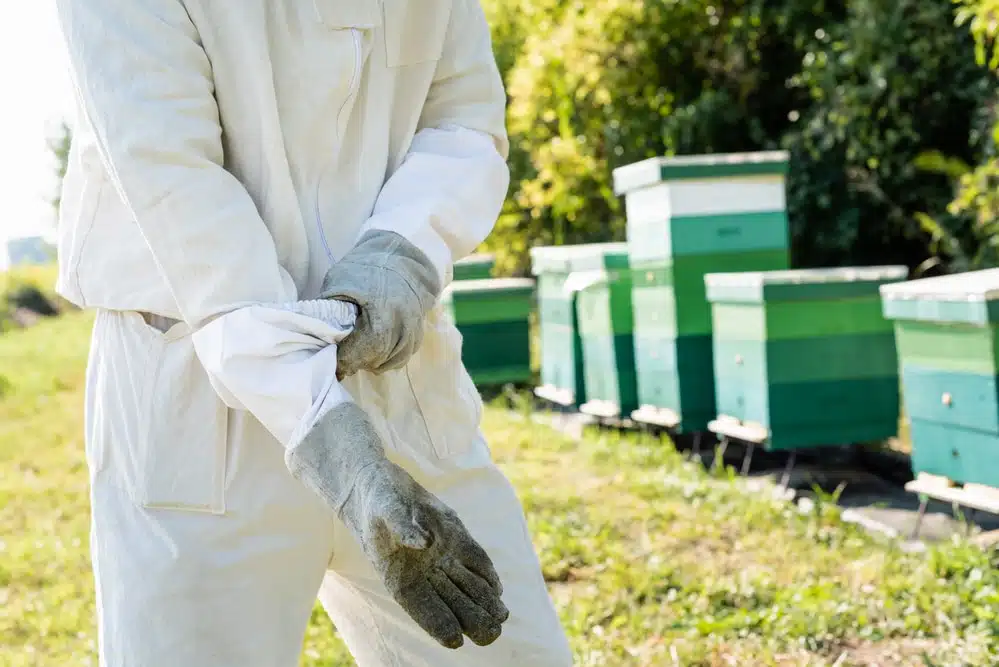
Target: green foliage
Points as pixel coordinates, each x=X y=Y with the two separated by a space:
x=60 y=145
x=970 y=237
x=619 y=81
x=982 y=18
x=893 y=81
x=855 y=90
x=511 y=21
x=31 y=288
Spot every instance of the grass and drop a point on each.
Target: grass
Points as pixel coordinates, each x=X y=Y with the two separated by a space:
x=651 y=560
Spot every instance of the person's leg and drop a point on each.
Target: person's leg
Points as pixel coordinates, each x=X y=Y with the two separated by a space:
x=378 y=632
x=177 y=587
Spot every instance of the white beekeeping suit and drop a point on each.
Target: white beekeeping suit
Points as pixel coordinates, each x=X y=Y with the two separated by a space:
x=252 y=186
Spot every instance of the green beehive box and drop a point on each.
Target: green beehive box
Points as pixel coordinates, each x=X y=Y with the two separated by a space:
x=687 y=217
x=475 y=267
x=602 y=279
x=805 y=358
x=948 y=350
x=562 y=378
x=493 y=317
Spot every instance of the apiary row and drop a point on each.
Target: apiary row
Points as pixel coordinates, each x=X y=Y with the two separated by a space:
x=698 y=324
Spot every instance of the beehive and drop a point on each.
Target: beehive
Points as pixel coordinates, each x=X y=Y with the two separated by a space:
x=805 y=358
x=601 y=277
x=688 y=217
x=493 y=317
x=474 y=267
x=948 y=350
x=562 y=378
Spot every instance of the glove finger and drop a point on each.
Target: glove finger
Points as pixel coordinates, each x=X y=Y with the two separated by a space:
x=475 y=621
x=422 y=603
x=476 y=588
x=470 y=554
x=458 y=543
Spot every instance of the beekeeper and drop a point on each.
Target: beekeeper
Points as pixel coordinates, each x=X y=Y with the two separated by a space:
x=263 y=204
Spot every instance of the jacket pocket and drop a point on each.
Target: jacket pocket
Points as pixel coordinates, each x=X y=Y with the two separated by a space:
x=165 y=426
x=448 y=400
x=346 y=14
x=415 y=30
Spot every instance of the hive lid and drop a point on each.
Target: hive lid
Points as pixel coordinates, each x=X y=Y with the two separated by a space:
x=561 y=259
x=699 y=167
x=478 y=259
x=801 y=284
x=599 y=257
x=971 y=297
x=971 y=285
x=490 y=285
x=551 y=258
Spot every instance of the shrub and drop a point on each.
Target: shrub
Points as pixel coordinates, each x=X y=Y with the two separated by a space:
x=856 y=91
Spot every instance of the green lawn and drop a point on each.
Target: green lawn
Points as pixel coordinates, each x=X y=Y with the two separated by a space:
x=650 y=560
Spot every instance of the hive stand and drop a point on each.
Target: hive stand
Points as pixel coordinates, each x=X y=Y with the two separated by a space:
x=803 y=359
x=689 y=216
x=948 y=349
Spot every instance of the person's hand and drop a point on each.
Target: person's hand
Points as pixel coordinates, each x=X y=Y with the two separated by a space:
x=427 y=559
x=425 y=556
x=394 y=285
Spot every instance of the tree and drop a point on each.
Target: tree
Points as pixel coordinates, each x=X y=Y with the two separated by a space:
x=973 y=241
x=856 y=91
x=60 y=145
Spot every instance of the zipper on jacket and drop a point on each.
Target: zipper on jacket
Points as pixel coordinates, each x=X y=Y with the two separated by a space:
x=352 y=87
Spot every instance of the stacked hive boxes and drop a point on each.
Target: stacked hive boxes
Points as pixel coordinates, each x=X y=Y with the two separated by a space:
x=493 y=316
x=561 y=348
x=602 y=279
x=948 y=348
x=474 y=267
x=804 y=358
x=687 y=217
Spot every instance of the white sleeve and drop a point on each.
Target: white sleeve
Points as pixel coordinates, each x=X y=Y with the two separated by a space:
x=278 y=362
x=145 y=86
x=446 y=195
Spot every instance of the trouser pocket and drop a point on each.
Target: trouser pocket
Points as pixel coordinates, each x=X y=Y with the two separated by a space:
x=160 y=424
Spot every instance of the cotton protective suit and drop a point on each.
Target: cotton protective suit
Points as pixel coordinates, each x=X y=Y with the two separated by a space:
x=226 y=156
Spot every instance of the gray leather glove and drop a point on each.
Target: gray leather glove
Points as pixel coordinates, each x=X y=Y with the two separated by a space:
x=426 y=558
x=394 y=285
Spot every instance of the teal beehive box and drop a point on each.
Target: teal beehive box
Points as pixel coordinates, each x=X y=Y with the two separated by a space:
x=493 y=317
x=475 y=267
x=948 y=350
x=561 y=350
x=687 y=217
x=804 y=358
x=601 y=278
x=562 y=379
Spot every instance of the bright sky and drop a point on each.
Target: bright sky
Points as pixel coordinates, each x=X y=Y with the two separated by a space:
x=34 y=97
